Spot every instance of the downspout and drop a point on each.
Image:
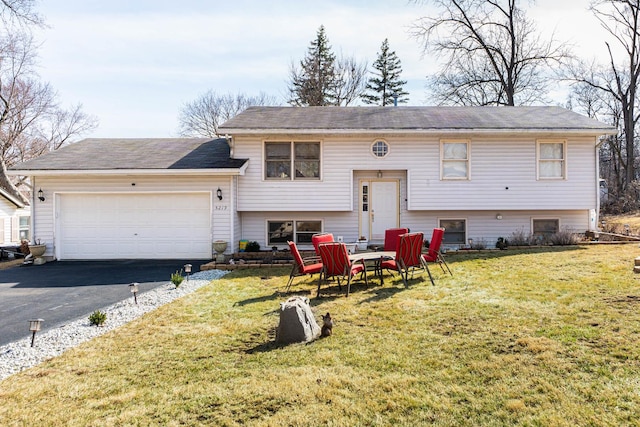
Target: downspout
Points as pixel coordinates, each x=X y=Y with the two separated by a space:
x=599 y=143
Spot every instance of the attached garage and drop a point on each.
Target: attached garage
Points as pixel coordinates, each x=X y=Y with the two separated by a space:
x=164 y=198
x=134 y=226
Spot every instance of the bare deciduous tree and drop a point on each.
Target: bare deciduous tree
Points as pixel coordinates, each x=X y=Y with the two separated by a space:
x=31 y=121
x=351 y=80
x=19 y=12
x=494 y=55
x=617 y=82
x=201 y=117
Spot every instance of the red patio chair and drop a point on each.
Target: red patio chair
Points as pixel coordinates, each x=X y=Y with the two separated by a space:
x=336 y=263
x=302 y=266
x=433 y=254
x=408 y=256
x=316 y=239
x=392 y=236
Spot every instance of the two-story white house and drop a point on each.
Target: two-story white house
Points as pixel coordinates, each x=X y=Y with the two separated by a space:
x=285 y=173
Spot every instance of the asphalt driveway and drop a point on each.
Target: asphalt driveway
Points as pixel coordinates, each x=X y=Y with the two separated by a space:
x=62 y=291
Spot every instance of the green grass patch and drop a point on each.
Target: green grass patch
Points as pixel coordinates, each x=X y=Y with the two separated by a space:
x=547 y=336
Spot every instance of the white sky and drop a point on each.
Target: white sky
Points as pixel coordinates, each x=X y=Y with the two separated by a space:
x=134 y=63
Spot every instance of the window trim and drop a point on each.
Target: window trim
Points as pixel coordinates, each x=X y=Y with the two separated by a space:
x=545 y=218
x=467 y=160
x=294 y=226
x=563 y=176
x=466 y=230
x=26 y=228
x=372 y=151
x=292 y=160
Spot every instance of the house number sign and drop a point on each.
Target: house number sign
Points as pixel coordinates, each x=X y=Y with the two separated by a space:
x=221 y=207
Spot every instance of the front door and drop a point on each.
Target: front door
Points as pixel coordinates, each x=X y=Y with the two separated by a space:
x=382 y=208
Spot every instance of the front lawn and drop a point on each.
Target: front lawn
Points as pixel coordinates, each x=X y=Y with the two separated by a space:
x=546 y=336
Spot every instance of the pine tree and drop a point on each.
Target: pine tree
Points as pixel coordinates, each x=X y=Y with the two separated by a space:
x=315 y=83
x=386 y=84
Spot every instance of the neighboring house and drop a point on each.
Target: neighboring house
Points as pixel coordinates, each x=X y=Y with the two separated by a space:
x=285 y=173
x=14 y=219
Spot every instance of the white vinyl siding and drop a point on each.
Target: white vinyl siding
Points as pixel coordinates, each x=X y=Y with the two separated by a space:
x=503 y=177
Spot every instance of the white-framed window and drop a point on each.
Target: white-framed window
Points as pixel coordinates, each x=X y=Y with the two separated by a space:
x=455 y=231
x=23 y=228
x=543 y=228
x=291 y=160
x=299 y=231
x=454 y=159
x=380 y=148
x=552 y=159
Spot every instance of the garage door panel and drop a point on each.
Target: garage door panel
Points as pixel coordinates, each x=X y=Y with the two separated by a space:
x=135 y=226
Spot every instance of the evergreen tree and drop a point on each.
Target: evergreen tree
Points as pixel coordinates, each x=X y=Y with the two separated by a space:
x=315 y=82
x=386 y=84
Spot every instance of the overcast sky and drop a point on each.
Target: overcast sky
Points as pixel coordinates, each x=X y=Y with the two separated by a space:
x=134 y=63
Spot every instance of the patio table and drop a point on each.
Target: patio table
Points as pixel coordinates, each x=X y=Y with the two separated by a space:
x=378 y=257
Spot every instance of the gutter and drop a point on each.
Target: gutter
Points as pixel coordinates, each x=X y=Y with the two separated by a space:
x=147 y=172
x=423 y=132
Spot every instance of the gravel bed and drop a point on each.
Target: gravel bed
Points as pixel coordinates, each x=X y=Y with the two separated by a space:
x=19 y=355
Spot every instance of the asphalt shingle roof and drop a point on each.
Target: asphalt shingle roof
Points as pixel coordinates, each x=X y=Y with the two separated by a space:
x=164 y=153
x=410 y=119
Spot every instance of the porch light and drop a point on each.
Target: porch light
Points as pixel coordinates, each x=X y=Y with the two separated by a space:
x=187 y=269
x=219 y=193
x=134 y=290
x=34 y=326
x=41 y=195
x=379 y=174
x=499 y=216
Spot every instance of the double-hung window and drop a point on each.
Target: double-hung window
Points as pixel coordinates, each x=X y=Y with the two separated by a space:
x=23 y=228
x=292 y=160
x=454 y=157
x=551 y=160
x=455 y=231
x=299 y=231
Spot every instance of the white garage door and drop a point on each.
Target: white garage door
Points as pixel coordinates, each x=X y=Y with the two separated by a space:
x=134 y=226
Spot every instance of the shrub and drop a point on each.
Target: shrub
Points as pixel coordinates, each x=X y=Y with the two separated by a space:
x=478 y=244
x=97 y=318
x=177 y=278
x=520 y=238
x=502 y=243
x=253 y=246
x=563 y=238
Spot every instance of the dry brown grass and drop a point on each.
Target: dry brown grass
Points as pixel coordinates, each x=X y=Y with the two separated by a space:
x=539 y=337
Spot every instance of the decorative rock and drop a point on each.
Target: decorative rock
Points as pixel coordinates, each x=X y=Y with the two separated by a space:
x=297 y=323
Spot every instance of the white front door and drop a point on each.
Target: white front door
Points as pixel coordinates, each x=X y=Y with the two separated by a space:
x=382 y=209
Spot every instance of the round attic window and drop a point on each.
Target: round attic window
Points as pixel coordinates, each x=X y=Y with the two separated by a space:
x=380 y=148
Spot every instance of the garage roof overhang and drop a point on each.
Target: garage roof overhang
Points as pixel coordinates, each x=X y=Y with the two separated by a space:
x=128 y=172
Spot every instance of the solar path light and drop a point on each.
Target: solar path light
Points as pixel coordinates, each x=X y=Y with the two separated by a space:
x=187 y=269
x=134 y=290
x=34 y=326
